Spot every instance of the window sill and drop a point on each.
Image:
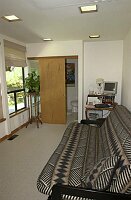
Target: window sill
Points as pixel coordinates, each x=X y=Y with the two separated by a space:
x=17 y=113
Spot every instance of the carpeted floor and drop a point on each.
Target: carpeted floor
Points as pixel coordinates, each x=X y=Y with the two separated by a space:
x=22 y=159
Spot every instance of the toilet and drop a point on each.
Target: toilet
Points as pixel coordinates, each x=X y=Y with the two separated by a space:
x=74 y=106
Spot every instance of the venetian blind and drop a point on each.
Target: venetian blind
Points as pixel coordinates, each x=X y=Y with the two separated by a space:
x=15 y=54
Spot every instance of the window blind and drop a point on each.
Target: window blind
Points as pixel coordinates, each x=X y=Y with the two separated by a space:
x=15 y=54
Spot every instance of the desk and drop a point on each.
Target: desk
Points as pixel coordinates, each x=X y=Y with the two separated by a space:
x=93 y=108
x=99 y=98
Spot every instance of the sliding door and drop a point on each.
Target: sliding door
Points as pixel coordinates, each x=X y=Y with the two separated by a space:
x=52 y=90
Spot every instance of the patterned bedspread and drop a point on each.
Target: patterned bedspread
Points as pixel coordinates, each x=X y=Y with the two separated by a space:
x=68 y=162
x=82 y=146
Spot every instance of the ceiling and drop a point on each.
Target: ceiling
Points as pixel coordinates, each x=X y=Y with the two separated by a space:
x=62 y=20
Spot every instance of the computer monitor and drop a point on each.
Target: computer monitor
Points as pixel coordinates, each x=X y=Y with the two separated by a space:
x=110 y=87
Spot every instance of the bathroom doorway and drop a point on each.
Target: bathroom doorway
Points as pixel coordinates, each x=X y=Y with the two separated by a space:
x=71 y=71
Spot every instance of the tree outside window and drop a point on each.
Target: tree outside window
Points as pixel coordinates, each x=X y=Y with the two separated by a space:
x=15 y=88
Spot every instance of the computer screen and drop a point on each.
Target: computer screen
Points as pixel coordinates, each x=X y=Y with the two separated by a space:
x=110 y=87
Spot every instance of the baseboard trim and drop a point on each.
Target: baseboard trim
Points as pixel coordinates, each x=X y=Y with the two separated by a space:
x=13 y=132
x=2 y=120
x=17 y=129
x=3 y=138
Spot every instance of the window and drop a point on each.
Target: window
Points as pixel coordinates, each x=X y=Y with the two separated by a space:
x=15 y=61
x=15 y=88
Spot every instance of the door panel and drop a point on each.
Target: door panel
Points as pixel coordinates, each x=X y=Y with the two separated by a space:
x=52 y=90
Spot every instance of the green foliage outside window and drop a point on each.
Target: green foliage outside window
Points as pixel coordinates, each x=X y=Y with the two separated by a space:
x=14 y=81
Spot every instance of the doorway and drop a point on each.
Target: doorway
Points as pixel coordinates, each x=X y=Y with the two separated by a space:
x=72 y=88
x=57 y=96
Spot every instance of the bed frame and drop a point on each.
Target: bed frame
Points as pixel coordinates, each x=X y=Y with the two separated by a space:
x=59 y=190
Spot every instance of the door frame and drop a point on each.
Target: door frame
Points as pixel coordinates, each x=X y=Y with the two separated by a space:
x=66 y=57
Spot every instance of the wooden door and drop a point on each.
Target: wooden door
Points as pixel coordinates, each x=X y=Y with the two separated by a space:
x=52 y=90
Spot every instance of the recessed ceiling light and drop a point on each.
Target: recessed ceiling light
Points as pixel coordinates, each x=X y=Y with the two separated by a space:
x=90 y=8
x=94 y=36
x=47 y=39
x=11 y=18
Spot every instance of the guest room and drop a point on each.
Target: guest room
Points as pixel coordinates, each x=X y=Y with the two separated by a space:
x=55 y=58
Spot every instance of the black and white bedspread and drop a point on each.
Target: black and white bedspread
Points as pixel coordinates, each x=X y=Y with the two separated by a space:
x=68 y=162
x=83 y=146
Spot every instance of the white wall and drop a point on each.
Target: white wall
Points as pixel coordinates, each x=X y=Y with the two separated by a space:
x=126 y=78
x=62 y=48
x=19 y=120
x=102 y=60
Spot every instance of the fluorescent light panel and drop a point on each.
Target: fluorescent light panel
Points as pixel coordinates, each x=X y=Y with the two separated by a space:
x=94 y=36
x=11 y=18
x=90 y=8
x=47 y=39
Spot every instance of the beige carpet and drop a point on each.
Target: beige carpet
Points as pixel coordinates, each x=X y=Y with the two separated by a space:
x=22 y=159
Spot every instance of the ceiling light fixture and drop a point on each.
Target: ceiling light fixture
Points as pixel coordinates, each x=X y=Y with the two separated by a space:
x=11 y=18
x=90 y=8
x=94 y=36
x=47 y=39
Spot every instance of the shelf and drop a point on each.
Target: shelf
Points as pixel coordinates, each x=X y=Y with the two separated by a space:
x=94 y=108
x=101 y=95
